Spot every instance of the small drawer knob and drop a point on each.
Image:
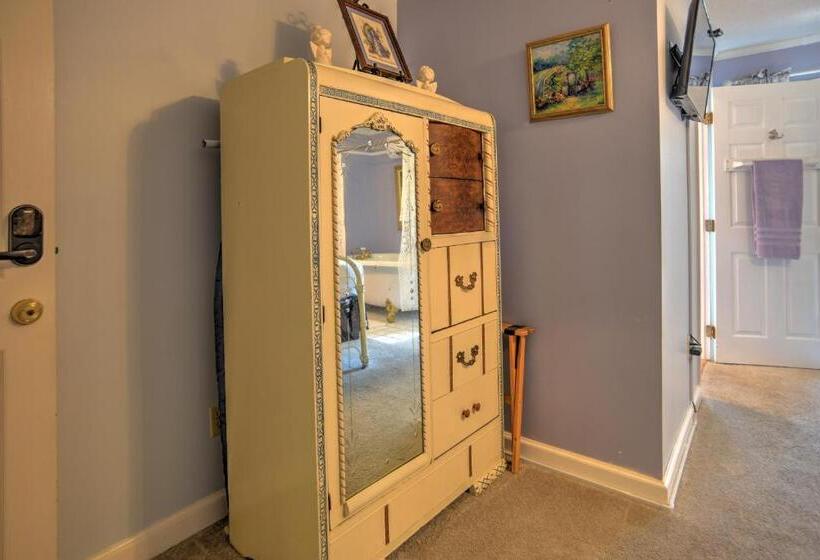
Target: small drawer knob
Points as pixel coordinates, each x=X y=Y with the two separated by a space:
x=465 y=413
x=476 y=407
x=435 y=149
x=437 y=205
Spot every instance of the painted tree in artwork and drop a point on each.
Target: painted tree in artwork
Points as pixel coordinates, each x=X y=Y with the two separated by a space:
x=584 y=55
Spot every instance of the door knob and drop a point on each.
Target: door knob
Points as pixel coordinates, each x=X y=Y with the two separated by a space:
x=26 y=311
x=775 y=135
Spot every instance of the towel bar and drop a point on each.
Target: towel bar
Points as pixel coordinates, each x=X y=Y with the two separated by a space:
x=733 y=165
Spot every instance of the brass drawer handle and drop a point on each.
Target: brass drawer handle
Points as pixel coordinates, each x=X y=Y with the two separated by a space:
x=471 y=285
x=437 y=206
x=476 y=407
x=461 y=357
x=435 y=149
x=465 y=413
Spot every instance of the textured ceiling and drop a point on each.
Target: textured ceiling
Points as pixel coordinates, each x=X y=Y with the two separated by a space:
x=754 y=22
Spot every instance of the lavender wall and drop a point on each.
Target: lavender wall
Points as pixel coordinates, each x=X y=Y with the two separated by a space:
x=370 y=204
x=805 y=57
x=580 y=210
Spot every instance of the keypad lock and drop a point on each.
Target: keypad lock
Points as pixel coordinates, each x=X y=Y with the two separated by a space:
x=25 y=236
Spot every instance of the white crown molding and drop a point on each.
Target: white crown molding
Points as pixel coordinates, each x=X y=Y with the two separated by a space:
x=768 y=47
x=168 y=532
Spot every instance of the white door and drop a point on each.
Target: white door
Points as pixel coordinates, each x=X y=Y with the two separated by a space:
x=768 y=310
x=28 y=381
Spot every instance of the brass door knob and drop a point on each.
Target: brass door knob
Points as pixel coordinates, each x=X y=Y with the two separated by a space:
x=437 y=206
x=26 y=311
x=476 y=407
x=465 y=413
x=435 y=149
x=426 y=244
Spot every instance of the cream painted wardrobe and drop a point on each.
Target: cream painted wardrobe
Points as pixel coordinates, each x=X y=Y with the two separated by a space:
x=362 y=333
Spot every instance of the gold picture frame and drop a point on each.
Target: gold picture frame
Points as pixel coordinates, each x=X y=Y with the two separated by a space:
x=570 y=74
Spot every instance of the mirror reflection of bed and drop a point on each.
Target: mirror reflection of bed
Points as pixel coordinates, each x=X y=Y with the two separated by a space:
x=378 y=314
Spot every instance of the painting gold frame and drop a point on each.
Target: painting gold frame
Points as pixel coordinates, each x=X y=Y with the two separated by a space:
x=609 y=99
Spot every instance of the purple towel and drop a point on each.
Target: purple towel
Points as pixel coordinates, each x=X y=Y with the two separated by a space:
x=777 y=208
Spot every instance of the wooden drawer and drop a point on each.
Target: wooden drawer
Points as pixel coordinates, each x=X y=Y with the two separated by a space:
x=445 y=480
x=463 y=283
x=485 y=451
x=463 y=355
x=455 y=152
x=465 y=410
x=363 y=538
x=457 y=206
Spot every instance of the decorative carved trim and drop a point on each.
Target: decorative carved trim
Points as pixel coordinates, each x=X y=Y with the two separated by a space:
x=399 y=108
x=318 y=372
x=377 y=121
x=491 y=170
x=489 y=477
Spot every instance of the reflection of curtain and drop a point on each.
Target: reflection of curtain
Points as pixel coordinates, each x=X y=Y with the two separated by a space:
x=408 y=292
x=339 y=181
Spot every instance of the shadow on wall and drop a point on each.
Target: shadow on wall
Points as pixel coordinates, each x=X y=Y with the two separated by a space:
x=291 y=37
x=173 y=238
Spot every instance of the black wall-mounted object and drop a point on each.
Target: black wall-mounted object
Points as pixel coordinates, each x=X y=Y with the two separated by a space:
x=25 y=236
x=690 y=91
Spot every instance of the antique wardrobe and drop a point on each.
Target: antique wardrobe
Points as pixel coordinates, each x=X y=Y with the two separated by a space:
x=361 y=286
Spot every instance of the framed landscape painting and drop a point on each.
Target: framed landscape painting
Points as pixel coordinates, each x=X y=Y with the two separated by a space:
x=570 y=74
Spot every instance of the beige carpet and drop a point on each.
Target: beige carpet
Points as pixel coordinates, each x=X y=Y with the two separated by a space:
x=382 y=402
x=750 y=490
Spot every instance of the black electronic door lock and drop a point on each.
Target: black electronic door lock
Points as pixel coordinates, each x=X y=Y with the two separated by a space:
x=25 y=236
x=695 y=347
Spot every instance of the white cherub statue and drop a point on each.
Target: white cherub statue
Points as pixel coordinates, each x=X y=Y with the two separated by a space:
x=320 y=38
x=427 y=77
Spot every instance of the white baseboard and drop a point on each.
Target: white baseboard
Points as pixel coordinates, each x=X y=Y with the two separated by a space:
x=613 y=477
x=170 y=531
x=674 y=468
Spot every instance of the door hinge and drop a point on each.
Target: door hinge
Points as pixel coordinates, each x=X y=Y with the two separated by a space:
x=329 y=505
x=323 y=314
x=710 y=331
x=320 y=125
x=709 y=225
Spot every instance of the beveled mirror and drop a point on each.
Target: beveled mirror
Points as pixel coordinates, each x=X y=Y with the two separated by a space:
x=377 y=315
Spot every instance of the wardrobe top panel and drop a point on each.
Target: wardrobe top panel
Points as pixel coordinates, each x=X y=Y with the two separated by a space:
x=373 y=90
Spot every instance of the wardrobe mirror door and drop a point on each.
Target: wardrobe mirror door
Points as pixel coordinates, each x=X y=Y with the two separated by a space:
x=378 y=312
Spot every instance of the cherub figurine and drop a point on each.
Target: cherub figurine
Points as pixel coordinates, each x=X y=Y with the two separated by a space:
x=320 y=38
x=427 y=77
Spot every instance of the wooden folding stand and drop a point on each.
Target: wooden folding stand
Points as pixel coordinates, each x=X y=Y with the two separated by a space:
x=516 y=352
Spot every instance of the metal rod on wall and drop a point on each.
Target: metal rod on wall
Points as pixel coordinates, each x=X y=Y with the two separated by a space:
x=211 y=144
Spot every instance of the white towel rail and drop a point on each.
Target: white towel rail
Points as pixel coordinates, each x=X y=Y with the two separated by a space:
x=734 y=165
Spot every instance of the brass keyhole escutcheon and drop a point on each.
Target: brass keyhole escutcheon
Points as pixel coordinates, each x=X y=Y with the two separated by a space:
x=26 y=311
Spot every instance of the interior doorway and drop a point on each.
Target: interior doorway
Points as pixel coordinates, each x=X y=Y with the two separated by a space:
x=765 y=311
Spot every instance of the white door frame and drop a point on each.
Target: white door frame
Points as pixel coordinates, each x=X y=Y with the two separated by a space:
x=28 y=379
